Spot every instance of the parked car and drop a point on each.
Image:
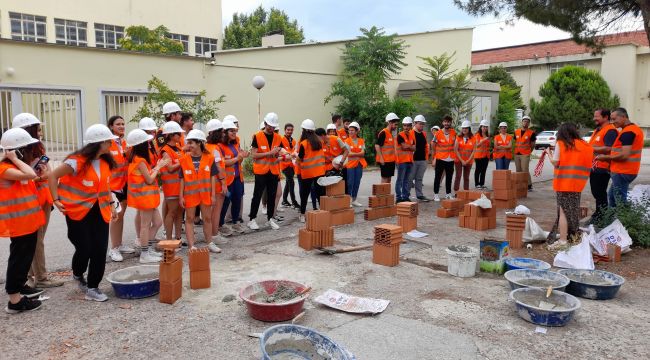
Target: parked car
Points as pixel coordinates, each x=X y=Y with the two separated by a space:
x=546 y=139
x=587 y=137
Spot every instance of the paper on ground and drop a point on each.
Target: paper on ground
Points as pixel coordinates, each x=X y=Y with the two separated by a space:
x=352 y=304
x=416 y=234
x=540 y=330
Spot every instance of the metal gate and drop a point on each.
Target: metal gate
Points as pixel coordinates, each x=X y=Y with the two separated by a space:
x=58 y=109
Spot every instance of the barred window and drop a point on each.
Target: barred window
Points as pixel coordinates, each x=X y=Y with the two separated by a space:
x=27 y=27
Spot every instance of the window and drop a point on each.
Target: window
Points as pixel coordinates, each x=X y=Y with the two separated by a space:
x=557 y=66
x=27 y=27
x=108 y=36
x=184 y=39
x=128 y=99
x=202 y=45
x=70 y=32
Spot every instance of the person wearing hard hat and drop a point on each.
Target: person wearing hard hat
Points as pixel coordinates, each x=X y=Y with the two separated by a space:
x=465 y=148
x=81 y=191
x=482 y=154
x=420 y=157
x=172 y=214
x=289 y=145
x=335 y=147
x=524 y=144
x=143 y=193
x=232 y=158
x=278 y=193
x=31 y=124
x=148 y=125
x=238 y=226
x=172 y=112
x=214 y=128
x=386 y=147
x=357 y=161
x=503 y=147
x=21 y=215
x=311 y=161
x=444 y=157
x=404 y=159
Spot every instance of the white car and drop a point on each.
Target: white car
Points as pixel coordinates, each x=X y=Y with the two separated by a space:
x=546 y=139
x=587 y=137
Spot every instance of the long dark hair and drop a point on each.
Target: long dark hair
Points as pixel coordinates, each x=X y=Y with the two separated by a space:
x=89 y=152
x=312 y=138
x=225 y=139
x=141 y=150
x=38 y=149
x=482 y=133
x=112 y=120
x=568 y=134
x=215 y=136
x=24 y=154
x=469 y=133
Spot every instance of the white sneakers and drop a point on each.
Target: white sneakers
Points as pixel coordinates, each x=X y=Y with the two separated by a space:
x=94 y=294
x=273 y=224
x=219 y=240
x=239 y=228
x=214 y=248
x=449 y=196
x=356 y=203
x=436 y=198
x=125 y=249
x=147 y=257
x=115 y=255
x=253 y=225
x=301 y=218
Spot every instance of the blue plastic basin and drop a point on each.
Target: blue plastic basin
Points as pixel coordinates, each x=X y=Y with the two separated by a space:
x=528 y=302
x=135 y=282
x=536 y=278
x=298 y=342
x=593 y=284
x=526 y=263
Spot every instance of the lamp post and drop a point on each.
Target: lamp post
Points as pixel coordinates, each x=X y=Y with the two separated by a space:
x=258 y=83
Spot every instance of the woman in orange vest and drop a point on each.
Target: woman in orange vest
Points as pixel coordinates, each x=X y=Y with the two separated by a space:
x=465 y=148
x=21 y=216
x=143 y=193
x=482 y=154
x=572 y=161
x=503 y=147
x=214 y=128
x=198 y=181
x=357 y=161
x=81 y=190
x=171 y=184
x=232 y=159
x=148 y=125
x=311 y=160
x=404 y=158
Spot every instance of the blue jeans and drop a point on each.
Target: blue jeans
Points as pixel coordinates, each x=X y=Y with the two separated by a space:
x=236 y=190
x=502 y=163
x=354 y=180
x=402 y=188
x=618 y=190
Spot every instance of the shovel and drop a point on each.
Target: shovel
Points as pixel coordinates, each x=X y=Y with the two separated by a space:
x=326 y=251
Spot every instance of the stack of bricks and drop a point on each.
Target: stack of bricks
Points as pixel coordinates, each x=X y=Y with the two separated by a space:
x=338 y=204
x=199 y=268
x=505 y=196
x=520 y=184
x=318 y=232
x=450 y=207
x=407 y=215
x=515 y=225
x=477 y=218
x=170 y=272
x=385 y=250
x=381 y=204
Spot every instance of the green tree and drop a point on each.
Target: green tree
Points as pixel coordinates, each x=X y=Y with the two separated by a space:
x=583 y=19
x=498 y=74
x=571 y=94
x=247 y=30
x=506 y=110
x=159 y=93
x=141 y=38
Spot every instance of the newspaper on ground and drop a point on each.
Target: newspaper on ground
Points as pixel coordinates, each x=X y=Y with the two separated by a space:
x=352 y=304
x=416 y=234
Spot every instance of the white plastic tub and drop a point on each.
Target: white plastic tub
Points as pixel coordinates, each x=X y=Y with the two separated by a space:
x=462 y=260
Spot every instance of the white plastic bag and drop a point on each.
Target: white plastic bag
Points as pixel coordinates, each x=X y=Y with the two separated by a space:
x=598 y=244
x=616 y=234
x=522 y=210
x=533 y=232
x=482 y=202
x=578 y=256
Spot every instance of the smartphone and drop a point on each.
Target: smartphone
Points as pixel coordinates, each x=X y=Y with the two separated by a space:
x=42 y=161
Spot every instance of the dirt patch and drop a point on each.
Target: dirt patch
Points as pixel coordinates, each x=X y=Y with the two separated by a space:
x=441 y=295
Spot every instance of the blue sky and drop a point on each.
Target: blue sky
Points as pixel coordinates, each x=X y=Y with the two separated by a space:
x=335 y=19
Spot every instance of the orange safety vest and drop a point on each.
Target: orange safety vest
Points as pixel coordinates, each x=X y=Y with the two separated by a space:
x=119 y=173
x=482 y=149
x=388 y=149
x=287 y=145
x=43 y=192
x=79 y=192
x=230 y=169
x=572 y=171
x=331 y=149
x=355 y=148
x=632 y=165
x=500 y=153
x=444 y=146
x=265 y=164
x=221 y=164
x=522 y=141
x=313 y=163
x=598 y=140
x=140 y=195
x=20 y=210
x=465 y=148
x=342 y=134
x=197 y=184
x=405 y=156
x=171 y=184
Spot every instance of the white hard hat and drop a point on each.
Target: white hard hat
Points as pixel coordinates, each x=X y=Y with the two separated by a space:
x=485 y=123
x=526 y=117
x=420 y=118
x=503 y=124
x=147 y=124
x=137 y=137
x=172 y=127
x=195 y=134
x=212 y=125
x=232 y=118
x=272 y=119
x=228 y=124
x=391 y=117
x=435 y=127
x=98 y=133
x=24 y=120
x=170 y=108
x=308 y=125
x=355 y=125
x=407 y=120
x=16 y=138
x=330 y=127
x=466 y=124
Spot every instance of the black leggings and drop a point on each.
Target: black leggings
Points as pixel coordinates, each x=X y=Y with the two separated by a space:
x=305 y=190
x=480 y=170
x=448 y=168
x=21 y=254
x=289 y=185
x=89 y=236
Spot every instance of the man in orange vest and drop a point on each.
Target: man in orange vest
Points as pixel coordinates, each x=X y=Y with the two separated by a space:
x=405 y=149
x=625 y=156
x=343 y=131
x=601 y=141
x=385 y=148
x=444 y=157
x=524 y=145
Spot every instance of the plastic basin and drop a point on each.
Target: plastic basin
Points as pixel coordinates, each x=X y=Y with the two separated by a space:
x=526 y=263
x=135 y=282
x=521 y=278
x=461 y=260
x=299 y=342
x=593 y=284
x=272 y=312
x=533 y=306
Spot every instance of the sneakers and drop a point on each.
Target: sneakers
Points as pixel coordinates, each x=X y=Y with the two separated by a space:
x=423 y=198
x=214 y=248
x=239 y=228
x=253 y=225
x=296 y=206
x=152 y=251
x=273 y=224
x=146 y=257
x=449 y=196
x=356 y=203
x=30 y=292
x=285 y=204
x=115 y=255
x=94 y=294
x=219 y=240
x=264 y=210
x=278 y=218
x=81 y=282
x=225 y=230
x=436 y=198
x=301 y=218
x=25 y=304
x=48 y=283
x=125 y=249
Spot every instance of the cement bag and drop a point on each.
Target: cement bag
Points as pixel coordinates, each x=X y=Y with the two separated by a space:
x=533 y=232
x=616 y=234
x=599 y=245
x=482 y=202
x=578 y=256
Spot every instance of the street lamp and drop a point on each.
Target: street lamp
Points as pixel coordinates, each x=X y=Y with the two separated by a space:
x=258 y=83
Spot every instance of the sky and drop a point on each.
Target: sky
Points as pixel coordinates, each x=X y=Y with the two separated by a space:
x=324 y=20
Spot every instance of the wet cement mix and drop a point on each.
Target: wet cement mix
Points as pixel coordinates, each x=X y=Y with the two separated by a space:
x=282 y=294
